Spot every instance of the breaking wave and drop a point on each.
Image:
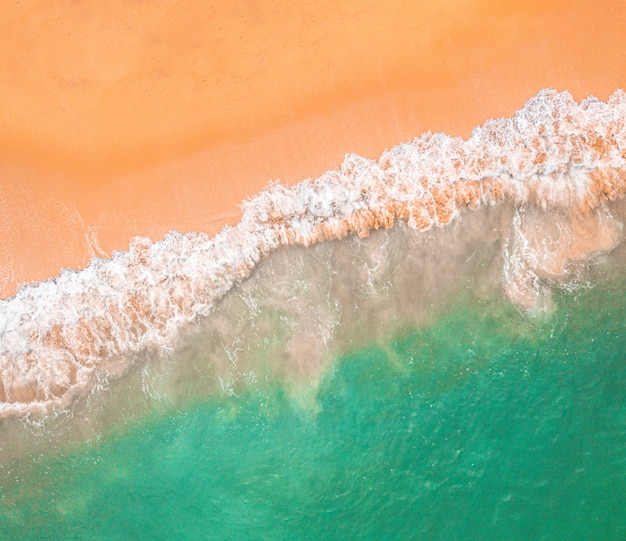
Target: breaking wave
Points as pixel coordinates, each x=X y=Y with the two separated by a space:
x=557 y=163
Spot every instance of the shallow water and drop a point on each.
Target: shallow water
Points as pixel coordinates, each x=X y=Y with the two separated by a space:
x=469 y=420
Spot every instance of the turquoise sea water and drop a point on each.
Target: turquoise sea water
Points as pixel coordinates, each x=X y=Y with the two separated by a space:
x=482 y=423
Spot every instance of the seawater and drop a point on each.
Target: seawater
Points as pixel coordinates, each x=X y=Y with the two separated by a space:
x=421 y=413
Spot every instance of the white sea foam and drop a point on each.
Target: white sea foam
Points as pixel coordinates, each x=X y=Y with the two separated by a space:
x=557 y=162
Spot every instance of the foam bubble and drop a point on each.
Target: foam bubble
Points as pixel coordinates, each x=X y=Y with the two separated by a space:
x=557 y=162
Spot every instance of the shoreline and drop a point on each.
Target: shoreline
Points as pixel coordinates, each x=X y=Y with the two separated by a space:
x=558 y=164
x=88 y=162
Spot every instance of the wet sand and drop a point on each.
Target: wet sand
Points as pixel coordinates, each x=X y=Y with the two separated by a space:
x=135 y=119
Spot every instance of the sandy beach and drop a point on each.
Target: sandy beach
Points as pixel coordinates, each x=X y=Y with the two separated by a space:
x=131 y=119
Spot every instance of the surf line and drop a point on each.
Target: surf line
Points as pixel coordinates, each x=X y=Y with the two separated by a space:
x=555 y=160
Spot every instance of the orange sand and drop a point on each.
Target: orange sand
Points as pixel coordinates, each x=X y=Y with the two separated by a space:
x=134 y=118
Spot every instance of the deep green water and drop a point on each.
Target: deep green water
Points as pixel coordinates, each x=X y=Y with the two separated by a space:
x=486 y=424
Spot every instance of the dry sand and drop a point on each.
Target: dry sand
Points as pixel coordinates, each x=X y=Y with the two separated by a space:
x=133 y=118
